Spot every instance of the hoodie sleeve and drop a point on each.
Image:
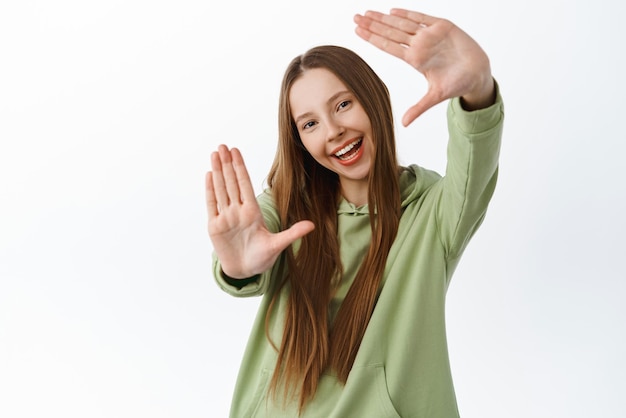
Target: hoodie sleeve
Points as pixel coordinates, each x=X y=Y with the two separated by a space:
x=471 y=172
x=257 y=285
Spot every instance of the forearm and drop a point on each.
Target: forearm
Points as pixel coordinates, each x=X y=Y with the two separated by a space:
x=471 y=172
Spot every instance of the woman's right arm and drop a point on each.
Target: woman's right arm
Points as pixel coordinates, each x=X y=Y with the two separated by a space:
x=241 y=241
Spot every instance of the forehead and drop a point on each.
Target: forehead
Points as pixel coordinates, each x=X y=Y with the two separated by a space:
x=313 y=89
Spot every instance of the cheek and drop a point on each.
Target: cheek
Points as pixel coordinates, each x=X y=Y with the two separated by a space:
x=317 y=150
x=307 y=146
x=312 y=146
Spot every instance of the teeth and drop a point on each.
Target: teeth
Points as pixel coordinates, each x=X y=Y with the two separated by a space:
x=347 y=148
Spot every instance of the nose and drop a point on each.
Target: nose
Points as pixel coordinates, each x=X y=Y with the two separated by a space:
x=335 y=130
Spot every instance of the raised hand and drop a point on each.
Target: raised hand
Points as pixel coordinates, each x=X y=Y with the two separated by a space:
x=452 y=62
x=240 y=238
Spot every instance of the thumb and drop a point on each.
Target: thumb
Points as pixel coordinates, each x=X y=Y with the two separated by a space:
x=296 y=231
x=429 y=100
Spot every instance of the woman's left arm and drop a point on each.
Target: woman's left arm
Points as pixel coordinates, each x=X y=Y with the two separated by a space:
x=451 y=61
x=457 y=68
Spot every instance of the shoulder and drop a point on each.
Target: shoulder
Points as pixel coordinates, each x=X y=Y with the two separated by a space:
x=415 y=181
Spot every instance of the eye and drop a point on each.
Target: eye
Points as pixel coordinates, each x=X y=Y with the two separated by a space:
x=344 y=104
x=308 y=125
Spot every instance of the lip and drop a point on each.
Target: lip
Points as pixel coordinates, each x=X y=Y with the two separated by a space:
x=354 y=159
x=345 y=144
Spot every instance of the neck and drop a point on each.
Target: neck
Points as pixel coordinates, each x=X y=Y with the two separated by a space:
x=355 y=192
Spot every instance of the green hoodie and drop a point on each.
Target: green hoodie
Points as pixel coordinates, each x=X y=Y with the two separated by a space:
x=402 y=368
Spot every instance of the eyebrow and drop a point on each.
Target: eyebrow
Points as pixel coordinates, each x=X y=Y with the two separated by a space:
x=330 y=100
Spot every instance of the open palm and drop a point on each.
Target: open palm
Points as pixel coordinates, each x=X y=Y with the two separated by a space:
x=451 y=61
x=242 y=242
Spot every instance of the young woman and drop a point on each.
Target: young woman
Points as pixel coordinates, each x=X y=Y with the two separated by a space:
x=351 y=252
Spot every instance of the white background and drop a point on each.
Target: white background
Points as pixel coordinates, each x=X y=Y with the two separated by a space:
x=109 y=111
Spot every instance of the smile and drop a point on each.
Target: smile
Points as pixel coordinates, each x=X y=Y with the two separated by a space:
x=350 y=151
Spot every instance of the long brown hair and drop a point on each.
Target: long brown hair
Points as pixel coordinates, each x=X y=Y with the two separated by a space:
x=303 y=189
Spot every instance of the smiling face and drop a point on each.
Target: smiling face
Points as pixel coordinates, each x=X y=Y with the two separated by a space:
x=335 y=129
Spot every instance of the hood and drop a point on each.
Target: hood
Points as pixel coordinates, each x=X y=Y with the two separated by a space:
x=414 y=181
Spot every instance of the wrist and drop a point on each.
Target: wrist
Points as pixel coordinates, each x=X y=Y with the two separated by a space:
x=239 y=282
x=484 y=95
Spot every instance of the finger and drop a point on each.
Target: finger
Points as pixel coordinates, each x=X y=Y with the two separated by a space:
x=382 y=43
x=429 y=100
x=246 y=190
x=211 y=202
x=289 y=236
x=218 y=181
x=417 y=17
x=393 y=28
x=230 y=177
